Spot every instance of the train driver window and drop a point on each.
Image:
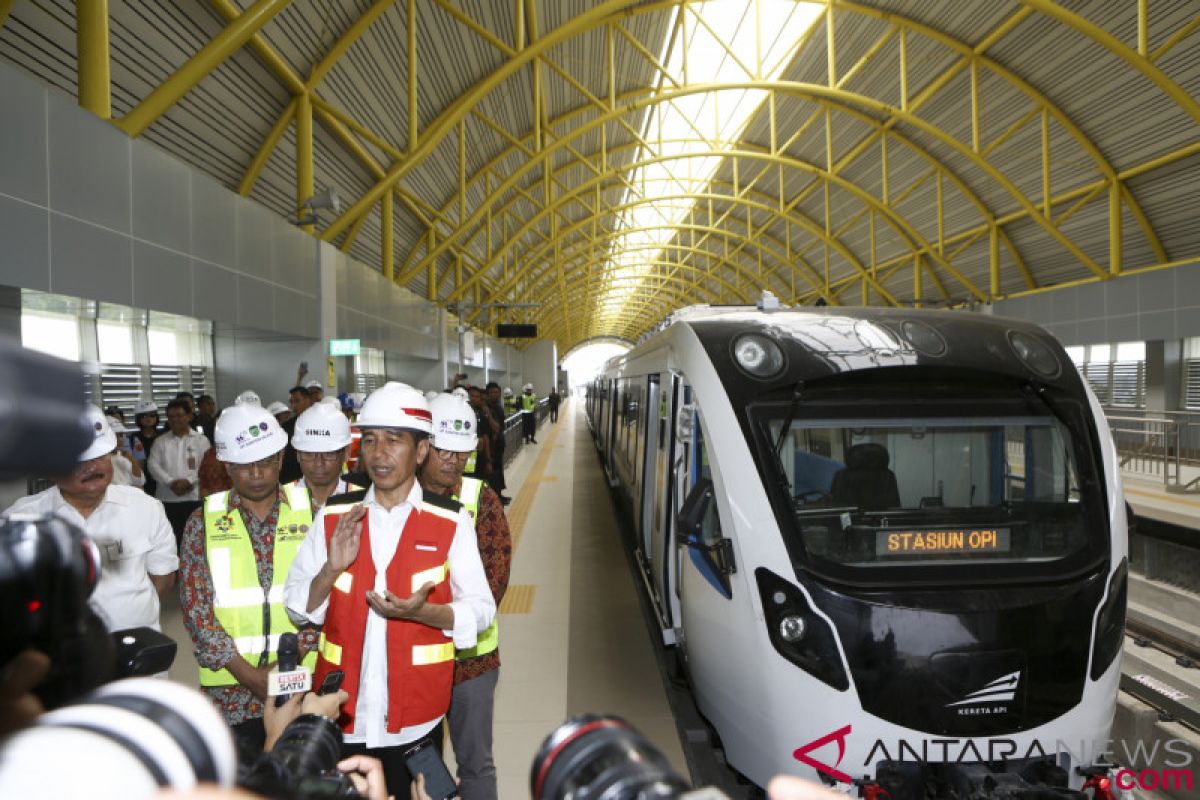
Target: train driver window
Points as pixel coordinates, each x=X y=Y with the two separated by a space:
x=699 y=522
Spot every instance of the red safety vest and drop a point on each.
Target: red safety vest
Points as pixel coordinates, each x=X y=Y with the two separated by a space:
x=420 y=658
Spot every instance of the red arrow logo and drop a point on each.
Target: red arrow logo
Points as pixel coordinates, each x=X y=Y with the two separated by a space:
x=801 y=754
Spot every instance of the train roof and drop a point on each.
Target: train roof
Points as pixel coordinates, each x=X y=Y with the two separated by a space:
x=824 y=341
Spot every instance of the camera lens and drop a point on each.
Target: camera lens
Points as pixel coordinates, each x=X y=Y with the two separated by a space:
x=310 y=745
x=126 y=741
x=601 y=758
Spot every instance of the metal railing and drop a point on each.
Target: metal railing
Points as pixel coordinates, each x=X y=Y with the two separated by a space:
x=513 y=439
x=1158 y=448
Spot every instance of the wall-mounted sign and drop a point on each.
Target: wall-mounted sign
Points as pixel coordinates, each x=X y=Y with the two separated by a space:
x=344 y=347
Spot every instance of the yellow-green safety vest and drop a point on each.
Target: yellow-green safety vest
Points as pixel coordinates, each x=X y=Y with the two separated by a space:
x=470 y=467
x=528 y=402
x=238 y=600
x=510 y=405
x=469 y=495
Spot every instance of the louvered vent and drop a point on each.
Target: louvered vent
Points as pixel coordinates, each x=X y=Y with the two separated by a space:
x=121 y=386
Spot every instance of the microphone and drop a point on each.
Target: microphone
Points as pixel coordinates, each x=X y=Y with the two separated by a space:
x=287 y=678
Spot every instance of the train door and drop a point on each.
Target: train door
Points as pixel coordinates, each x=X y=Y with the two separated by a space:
x=610 y=436
x=649 y=471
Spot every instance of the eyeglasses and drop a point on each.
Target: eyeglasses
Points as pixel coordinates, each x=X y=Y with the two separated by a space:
x=334 y=456
x=451 y=455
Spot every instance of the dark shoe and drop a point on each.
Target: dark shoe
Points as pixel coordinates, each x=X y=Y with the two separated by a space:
x=505 y=500
x=533 y=441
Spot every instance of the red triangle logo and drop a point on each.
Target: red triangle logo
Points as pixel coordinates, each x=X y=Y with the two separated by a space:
x=801 y=754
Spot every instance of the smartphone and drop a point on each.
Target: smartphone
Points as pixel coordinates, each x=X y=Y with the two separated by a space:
x=424 y=758
x=332 y=682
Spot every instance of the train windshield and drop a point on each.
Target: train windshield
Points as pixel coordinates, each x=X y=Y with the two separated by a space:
x=933 y=490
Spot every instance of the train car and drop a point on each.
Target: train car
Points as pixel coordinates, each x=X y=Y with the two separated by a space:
x=890 y=545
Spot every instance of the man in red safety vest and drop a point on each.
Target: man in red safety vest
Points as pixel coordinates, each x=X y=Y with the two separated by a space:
x=394 y=575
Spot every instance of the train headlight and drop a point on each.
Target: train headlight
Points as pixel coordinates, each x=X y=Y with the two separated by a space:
x=797 y=632
x=791 y=628
x=757 y=355
x=1034 y=354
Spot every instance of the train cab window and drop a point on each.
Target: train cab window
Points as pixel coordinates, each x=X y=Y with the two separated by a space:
x=912 y=488
x=699 y=520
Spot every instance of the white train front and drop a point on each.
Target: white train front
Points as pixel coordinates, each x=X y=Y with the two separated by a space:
x=889 y=544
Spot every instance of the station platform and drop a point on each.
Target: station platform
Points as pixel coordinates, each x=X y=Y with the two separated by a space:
x=573 y=638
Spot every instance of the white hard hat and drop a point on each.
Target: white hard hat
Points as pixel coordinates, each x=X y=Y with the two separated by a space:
x=249 y=396
x=314 y=384
x=277 y=408
x=528 y=387
x=323 y=428
x=460 y=391
x=396 y=405
x=104 y=441
x=508 y=391
x=454 y=424
x=356 y=400
x=145 y=407
x=247 y=432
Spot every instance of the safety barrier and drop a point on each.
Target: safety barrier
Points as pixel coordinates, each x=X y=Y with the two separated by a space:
x=1157 y=448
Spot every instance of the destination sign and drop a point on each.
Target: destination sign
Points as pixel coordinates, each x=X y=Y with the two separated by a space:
x=950 y=542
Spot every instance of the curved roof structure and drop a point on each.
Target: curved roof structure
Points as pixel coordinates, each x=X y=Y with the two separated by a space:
x=594 y=165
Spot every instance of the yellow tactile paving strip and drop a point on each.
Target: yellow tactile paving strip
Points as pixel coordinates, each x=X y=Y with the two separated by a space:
x=518 y=512
x=518 y=599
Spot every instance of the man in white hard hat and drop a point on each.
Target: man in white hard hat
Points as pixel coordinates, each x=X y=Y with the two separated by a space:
x=280 y=411
x=476 y=670
x=529 y=414
x=236 y=553
x=321 y=441
x=316 y=391
x=175 y=463
x=130 y=529
x=394 y=575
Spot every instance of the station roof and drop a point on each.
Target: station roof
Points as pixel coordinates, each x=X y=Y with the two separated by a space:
x=606 y=162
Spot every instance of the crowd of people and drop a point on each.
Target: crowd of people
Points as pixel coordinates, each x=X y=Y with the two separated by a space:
x=385 y=549
x=372 y=527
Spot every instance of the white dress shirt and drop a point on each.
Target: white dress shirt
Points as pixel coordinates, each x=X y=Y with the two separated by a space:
x=135 y=541
x=472 y=605
x=177 y=457
x=341 y=488
x=123 y=472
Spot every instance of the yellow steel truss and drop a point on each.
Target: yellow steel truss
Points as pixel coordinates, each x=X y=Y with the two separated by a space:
x=545 y=231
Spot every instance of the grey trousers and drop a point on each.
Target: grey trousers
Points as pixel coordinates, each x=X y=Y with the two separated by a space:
x=470 y=719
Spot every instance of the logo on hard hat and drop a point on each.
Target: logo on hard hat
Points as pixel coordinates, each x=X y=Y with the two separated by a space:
x=262 y=426
x=99 y=427
x=254 y=430
x=457 y=425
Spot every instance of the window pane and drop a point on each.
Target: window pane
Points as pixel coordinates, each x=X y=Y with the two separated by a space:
x=115 y=342
x=55 y=334
x=1100 y=354
x=1131 y=351
x=1076 y=354
x=164 y=348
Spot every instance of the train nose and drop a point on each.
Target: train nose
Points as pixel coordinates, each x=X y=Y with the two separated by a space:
x=980 y=684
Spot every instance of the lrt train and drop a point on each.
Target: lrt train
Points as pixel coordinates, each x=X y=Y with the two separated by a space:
x=890 y=545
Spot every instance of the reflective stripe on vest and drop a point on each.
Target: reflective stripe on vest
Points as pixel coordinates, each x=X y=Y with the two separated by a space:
x=469 y=494
x=238 y=598
x=470 y=467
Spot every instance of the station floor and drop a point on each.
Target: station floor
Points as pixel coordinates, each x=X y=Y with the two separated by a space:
x=572 y=635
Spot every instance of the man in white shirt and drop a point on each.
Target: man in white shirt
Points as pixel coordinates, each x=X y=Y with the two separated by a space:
x=137 y=550
x=395 y=577
x=175 y=463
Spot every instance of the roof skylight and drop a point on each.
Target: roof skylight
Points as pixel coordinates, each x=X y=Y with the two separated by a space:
x=684 y=139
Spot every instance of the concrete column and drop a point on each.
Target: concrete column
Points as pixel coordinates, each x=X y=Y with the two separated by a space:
x=320 y=364
x=443 y=349
x=540 y=366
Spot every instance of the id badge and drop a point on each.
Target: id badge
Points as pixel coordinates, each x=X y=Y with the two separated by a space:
x=191 y=462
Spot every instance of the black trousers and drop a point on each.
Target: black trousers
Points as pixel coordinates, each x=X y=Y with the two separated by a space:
x=395 y=771
x=177 y=515
x=554 y=413
x=529 y=425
